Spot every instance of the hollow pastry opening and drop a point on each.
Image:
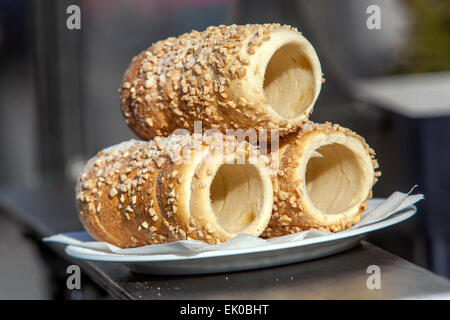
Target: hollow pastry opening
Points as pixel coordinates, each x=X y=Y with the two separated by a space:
x=334 y=178
x=289 y=83
x=236 y=196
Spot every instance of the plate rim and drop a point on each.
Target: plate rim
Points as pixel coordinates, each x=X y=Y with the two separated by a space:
x=94 y=255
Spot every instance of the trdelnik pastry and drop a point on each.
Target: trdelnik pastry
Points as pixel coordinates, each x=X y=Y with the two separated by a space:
x=147 y=192
x=169 y=188
x=325 y=176
x=239 y=76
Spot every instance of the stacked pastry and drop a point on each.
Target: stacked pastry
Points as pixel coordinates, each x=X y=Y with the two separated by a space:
x=227 y=77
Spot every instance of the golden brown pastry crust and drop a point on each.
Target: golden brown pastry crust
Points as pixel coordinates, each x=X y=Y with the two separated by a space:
x=138 y=193
x=293 y=209
x=218 y=76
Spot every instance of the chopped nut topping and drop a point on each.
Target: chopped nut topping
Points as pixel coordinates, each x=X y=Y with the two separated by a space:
x=112 y=192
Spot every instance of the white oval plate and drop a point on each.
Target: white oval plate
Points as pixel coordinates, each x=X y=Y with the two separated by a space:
x=244 y=259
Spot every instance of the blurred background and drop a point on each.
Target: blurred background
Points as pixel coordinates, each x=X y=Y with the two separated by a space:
x=59 y=102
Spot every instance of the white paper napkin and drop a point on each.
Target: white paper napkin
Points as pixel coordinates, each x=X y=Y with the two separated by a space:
x=395 y=203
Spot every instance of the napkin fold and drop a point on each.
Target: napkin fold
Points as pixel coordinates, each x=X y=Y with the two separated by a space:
x=378 y=210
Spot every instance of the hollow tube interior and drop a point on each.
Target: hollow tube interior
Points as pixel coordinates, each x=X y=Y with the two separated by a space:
x=236 y=196
x=289 y=81
x=334 y=178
